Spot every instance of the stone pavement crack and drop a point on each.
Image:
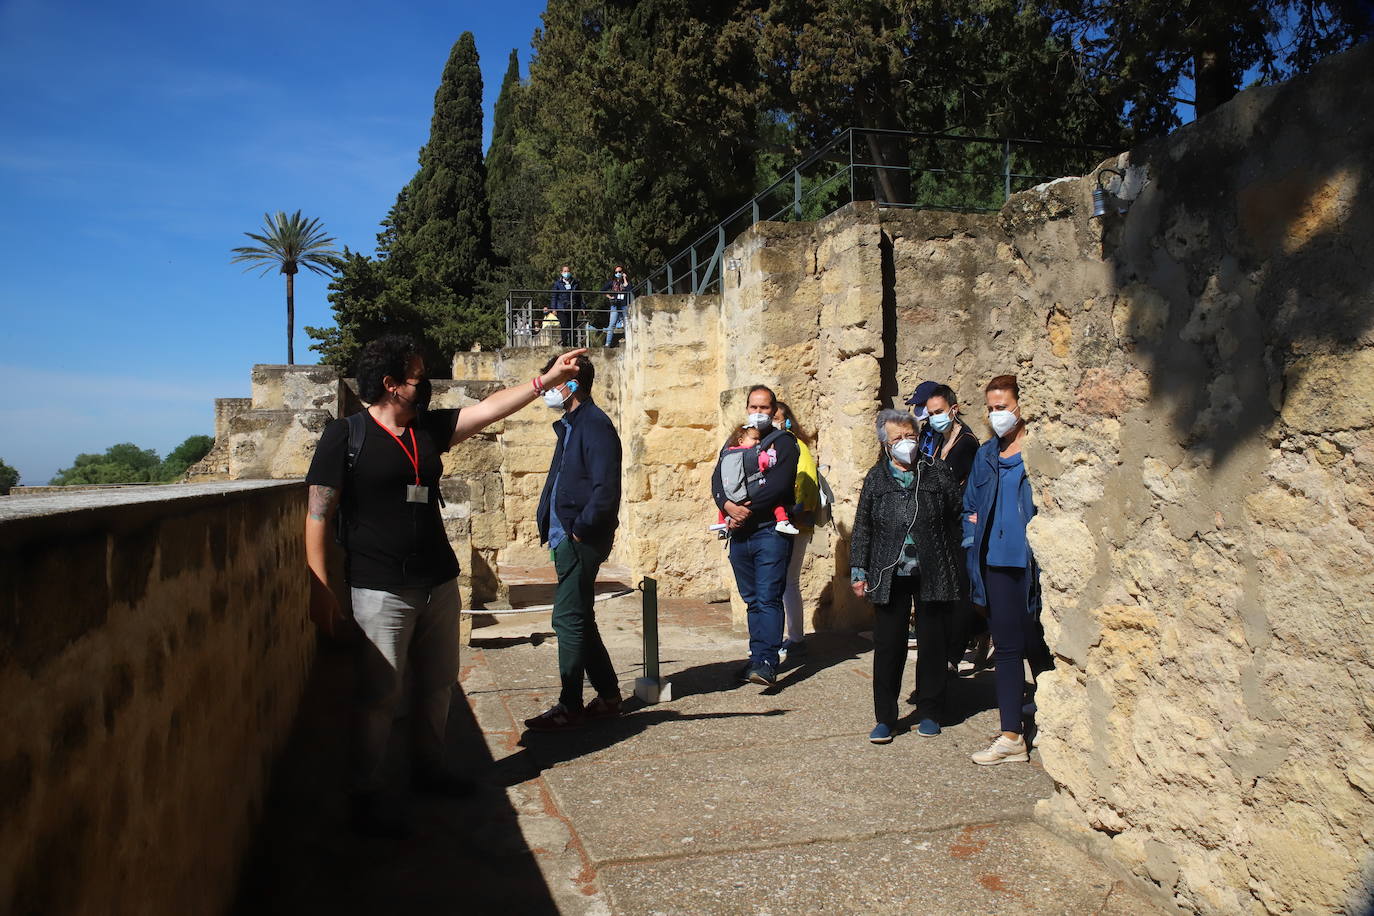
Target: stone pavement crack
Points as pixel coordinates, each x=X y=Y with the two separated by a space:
x=860 y=836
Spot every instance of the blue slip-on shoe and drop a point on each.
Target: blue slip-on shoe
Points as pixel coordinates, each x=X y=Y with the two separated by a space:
x=881 y=734
x=928 y=728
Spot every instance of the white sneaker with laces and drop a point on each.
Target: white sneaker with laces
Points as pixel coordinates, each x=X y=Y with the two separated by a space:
x=786 y=527
x=1003 y=751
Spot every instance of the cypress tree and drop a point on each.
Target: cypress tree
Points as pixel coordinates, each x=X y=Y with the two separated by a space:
x=513 y=179
x=443 y=232
x=430 y=276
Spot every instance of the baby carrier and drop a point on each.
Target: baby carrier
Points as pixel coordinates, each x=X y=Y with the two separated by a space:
x=740 y=476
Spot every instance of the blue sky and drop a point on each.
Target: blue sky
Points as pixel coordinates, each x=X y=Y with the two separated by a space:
x=139 y=140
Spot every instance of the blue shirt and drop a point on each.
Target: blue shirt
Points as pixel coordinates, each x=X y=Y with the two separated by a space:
x=1007 y=536
x=556 y=533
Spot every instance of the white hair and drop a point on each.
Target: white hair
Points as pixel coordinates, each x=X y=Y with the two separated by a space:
x=899 y=417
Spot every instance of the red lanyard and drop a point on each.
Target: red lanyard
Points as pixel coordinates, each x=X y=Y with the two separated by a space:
x=415 y=458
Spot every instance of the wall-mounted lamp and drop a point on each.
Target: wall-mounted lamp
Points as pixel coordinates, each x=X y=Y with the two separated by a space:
x=1100 y=193
x=732 y=264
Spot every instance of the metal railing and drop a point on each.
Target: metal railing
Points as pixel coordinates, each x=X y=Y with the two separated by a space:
x=892 y=168
x=566 y=318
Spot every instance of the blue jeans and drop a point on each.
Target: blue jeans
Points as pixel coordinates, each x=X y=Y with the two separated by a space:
x=617 y=320
x=760 y=562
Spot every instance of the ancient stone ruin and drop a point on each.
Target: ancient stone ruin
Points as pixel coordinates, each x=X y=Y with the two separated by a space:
x=1197 y=366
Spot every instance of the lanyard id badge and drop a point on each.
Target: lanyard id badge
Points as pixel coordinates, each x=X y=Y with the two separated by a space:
x=415 y=493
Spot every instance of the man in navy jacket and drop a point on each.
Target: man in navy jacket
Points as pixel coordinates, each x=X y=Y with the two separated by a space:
x=578 y=513
x=759 y=553
x=566 y=300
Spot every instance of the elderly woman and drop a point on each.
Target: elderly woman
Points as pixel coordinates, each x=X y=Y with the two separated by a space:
x=903 y=551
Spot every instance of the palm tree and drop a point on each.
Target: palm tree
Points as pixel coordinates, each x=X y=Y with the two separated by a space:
x=289 y=243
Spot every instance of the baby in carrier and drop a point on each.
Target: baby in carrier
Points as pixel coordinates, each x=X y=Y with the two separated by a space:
x=745 y=438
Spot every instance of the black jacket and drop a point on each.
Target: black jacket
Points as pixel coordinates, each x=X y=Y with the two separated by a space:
x=887 y=510
x=960 y=458
x=779 y=486
x=586 y=464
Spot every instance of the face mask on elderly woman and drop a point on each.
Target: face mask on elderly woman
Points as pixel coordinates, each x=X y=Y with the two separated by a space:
x=904 y=451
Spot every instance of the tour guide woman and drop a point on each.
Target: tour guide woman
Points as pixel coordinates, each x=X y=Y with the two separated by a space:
x=902 y=550
x=1003 y=577
x=398 y=562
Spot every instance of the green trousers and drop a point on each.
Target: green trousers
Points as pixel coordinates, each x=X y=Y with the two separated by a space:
x=580 y=649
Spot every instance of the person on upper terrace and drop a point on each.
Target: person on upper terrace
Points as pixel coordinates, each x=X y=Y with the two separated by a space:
x=566 y=301
x=618 y=296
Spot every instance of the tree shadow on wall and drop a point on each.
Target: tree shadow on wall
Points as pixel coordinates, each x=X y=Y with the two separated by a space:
x=1247 y=248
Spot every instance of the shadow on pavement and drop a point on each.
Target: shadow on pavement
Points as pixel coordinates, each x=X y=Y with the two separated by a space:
x=824 y=650
x=464 y=855
x=543 y=750
x=505 y=642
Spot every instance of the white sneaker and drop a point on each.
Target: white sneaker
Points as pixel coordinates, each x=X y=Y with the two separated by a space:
x=1003 y=751
x=786 y=527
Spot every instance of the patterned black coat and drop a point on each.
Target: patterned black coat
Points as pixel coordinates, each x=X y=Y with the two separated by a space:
x=887 y=510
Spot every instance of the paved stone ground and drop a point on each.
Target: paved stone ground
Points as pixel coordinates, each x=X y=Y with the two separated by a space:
x=727 y=799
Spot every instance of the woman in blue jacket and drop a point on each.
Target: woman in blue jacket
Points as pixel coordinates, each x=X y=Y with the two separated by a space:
x=998 y=504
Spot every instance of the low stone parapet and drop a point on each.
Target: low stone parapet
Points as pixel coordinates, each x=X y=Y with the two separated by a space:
x=154 y=643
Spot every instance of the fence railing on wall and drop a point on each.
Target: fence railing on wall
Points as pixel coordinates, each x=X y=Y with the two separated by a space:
x=567 y=318
x=892 y=168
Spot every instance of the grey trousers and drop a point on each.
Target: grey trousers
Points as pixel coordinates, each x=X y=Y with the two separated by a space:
x=416 y=627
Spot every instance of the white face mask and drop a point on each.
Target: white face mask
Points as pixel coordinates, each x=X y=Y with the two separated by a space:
x=940 y=421
x=554 y=398
x=903 y=451
x=1003 y=421
x=760 y=421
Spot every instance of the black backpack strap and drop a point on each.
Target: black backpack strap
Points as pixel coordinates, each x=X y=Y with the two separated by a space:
x=357 y=432
x=772 y=437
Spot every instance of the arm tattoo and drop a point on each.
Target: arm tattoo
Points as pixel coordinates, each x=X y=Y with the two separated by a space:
x=323 y=502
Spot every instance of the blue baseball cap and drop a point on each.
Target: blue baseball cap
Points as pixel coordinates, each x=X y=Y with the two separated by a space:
x=920 y=396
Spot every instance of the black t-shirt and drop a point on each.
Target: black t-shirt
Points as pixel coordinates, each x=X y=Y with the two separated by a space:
x=390 y=543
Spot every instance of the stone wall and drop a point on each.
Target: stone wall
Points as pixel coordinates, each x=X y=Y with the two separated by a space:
x=670 y=431
x=153 y=647
x=1202 y=378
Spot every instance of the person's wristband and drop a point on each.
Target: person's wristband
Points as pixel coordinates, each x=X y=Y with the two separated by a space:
x=538 y=383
